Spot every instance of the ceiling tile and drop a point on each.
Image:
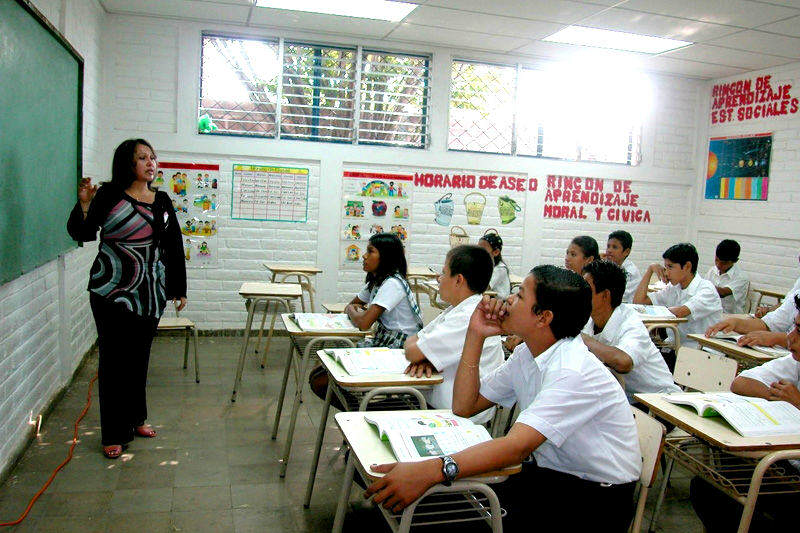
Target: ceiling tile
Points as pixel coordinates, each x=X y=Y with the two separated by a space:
x=732 y=12
x=762 y=42
x=563 y=11
x=727 y=57
x=683 y=67
x=579 y=54
x=318 y=22
x=454 y=38
x=785 y=27
x=186 y=9
x=463 y=20
x=787 y=3
x=657 y=25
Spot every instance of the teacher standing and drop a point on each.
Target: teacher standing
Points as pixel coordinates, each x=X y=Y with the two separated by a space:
x=139 y=266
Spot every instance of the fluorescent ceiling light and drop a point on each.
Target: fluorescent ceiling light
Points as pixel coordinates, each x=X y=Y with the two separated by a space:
x=616 y=40
x=367 y=9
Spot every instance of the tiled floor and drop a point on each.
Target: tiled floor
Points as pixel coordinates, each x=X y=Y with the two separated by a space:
x=212 y=467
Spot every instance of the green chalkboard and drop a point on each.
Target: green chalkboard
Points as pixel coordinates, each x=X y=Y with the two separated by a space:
x=41 y=99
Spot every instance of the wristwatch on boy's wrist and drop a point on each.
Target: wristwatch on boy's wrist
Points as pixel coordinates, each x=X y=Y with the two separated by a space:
x=449 y=469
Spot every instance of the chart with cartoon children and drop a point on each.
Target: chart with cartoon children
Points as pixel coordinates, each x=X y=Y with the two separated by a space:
x=195 y=194
x=373 y=202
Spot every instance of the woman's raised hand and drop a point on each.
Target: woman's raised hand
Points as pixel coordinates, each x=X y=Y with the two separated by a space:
x=86 y=192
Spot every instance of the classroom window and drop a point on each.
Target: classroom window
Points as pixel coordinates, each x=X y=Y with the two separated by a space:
x=481 y=107
x=238 y=84
x=394 y=97
x=326 y=93
x=557 y=116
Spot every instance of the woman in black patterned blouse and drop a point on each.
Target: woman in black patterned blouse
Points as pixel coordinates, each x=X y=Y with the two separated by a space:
x=139 y=266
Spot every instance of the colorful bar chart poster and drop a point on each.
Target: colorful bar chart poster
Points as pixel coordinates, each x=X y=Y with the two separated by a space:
x=738 y=167
x=269 y=193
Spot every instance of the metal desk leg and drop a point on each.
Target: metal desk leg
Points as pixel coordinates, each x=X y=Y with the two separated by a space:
x=285 y=303
x=261 y=329
x=196 y=360
x=318 y=447
x=251 y=305
x=279 y=408
x=185 y=347
x=287 y=448
x=344 y=495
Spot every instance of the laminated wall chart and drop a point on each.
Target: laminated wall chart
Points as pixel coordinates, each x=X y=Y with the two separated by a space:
x=373 y=202
x=269 y=193
x=193 y=189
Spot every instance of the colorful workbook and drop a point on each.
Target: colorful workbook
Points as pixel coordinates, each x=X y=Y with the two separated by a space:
x=652 y=311
x=416 y=436
x=774 y=351
x=370 y=361
x=324 y=322
x=751 y=417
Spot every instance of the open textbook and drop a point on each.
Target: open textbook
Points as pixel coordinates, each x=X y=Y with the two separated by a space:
x=416 y=435
x=652 y=311
x=323 y=322
x=775 y=351
x=751 y=417
x=368 y=361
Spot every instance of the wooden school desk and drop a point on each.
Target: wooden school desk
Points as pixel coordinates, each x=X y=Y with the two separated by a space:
x=742 y=467
x=416 y=277
x=334 y=307
x=778 y=295
x=310 y=338
x=745 y=356
x=366 y=448
x=253 y=293
x=355 y=392
x=515 y=280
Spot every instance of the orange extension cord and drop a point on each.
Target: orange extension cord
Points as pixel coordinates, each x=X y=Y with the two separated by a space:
x=63 y=464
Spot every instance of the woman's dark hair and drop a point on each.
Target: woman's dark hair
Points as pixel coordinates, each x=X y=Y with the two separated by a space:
x=587 y=245
x=122 y=166
x=496 y=242
x=567 y=295
x=392 y=258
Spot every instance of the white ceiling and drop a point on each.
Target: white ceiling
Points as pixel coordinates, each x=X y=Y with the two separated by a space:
x=730 y=36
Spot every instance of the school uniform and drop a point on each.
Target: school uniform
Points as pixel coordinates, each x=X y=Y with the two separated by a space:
x=718 y=512
x=702 y=299
x=633 y=277
x=401 y=316
x=625 y=331
x=500 y=281
x=442 y=342
x=587 y=468
x=782 y=319
x=796 y=286
x=737 y=281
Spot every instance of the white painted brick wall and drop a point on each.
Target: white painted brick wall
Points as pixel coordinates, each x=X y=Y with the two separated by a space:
x=674 y=114
x=34 y=365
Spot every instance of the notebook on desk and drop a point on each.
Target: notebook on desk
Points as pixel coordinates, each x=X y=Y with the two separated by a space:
x=774 y=351
x=324 y=322
x=652 y=311
x=370 y=361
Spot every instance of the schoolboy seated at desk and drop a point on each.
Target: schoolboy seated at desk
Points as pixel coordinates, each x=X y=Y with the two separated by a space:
x=778 y=379
x=730 y=281
x=437 y=347
x=616 y=335
x=574 y=418
x=618 y=248
x=769 y=330
x=687 y=295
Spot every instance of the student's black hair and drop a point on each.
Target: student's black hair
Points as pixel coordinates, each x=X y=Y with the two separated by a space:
x=682 y=253
x=587 y=245
x=797 y=301
x=392 y=259
x=472 y=262
x=496 y=242
x=608 y=276
x=567 y=295
x=624 y=238
x=122 y=165
x=728 y=250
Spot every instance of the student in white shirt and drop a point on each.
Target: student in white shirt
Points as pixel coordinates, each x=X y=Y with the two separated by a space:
x=574 y=419
x=778 y=379
x=687 y=295
x=581 y=251
x=730 y=281
x=616 y=335
x=618 y=248
x=437 y=347
x=501 y=280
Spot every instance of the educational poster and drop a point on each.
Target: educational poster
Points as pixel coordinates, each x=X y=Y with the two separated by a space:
x=269 y=193
x=194 y=190
x=373 y=202
x=738 y=167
